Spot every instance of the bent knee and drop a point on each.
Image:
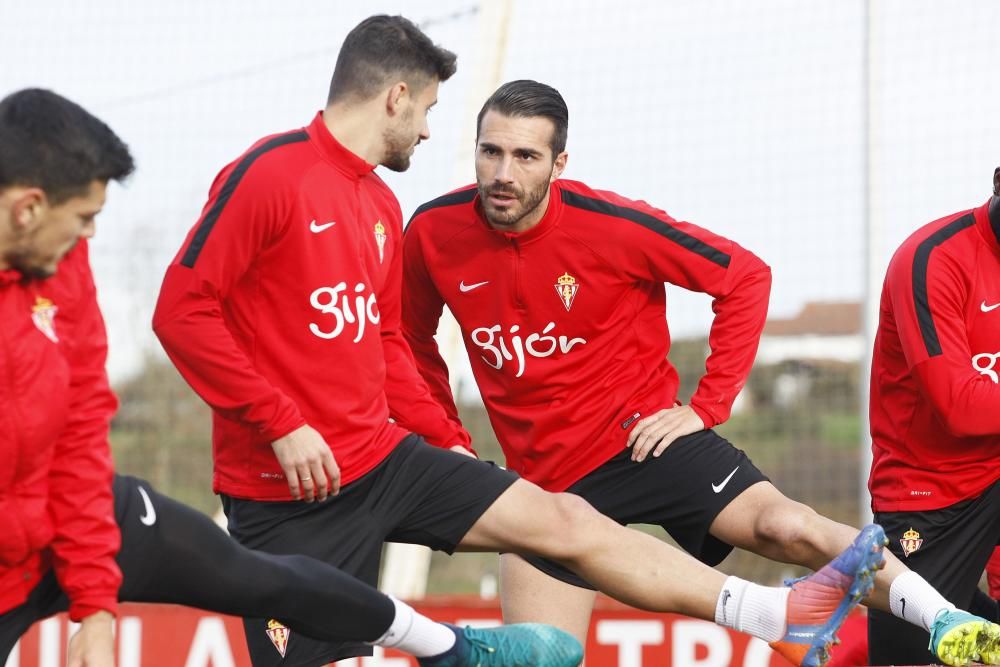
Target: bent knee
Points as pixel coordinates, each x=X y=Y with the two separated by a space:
x=788 y=524
x=575 y=511
x=574 y=525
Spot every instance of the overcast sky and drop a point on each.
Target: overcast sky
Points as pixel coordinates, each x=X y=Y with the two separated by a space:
x=744 y=116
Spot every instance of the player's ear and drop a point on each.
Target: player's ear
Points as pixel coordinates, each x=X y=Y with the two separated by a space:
x=996 y=182
x=29 y=208
x=396 y=97
x=558 y=165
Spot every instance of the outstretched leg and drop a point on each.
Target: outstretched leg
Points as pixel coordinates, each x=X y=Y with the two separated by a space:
x=766 y=522
x=645 y=572
x=172 y=553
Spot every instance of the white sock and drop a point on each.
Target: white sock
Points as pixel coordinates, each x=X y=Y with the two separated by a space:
x=760 y=611
x=912 y=599
x=415 y=634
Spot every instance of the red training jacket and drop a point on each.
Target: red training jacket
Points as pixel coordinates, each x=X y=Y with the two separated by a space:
x=283 y=306
x=565 y=323
x=935 y=399
x=55 y=483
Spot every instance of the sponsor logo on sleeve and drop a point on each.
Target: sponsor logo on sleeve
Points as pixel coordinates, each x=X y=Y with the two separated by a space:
x=631 y=419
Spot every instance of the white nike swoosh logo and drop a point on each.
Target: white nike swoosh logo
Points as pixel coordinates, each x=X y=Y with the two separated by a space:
x=986 y=308
x=316 y=229
x=149 y=518
x=719 y=487
x=468 y=288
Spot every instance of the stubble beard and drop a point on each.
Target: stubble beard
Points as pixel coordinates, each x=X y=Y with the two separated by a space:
x=27 y=263
x=399 y=145
x=22 y=263
x=528 y=203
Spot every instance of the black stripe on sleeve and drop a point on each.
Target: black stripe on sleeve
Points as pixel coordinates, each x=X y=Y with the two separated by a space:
x=651 y=223
x=212 y=216
x=450 y=199
x=994 y=215
x=921 y=259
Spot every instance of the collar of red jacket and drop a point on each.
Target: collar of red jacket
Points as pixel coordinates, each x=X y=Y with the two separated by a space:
x=988 y=222
x=335 y=151
x=10 y=276
x=548 y=222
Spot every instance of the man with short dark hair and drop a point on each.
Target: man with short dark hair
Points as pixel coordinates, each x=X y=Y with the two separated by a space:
x=559 y=291
x=65 y=513
x=282 y=309
x=935 y=415
x=381 y=47
x=56 y=490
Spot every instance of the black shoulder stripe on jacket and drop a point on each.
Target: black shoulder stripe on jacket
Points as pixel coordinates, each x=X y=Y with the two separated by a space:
x=921 y=258
x=994 y=214
x=450 y=199
x=651 y=223
x=212 y=215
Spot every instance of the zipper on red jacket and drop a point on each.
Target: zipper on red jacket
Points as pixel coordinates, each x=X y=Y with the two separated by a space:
x=518 y=293
x=7 y=368
x=7 y=390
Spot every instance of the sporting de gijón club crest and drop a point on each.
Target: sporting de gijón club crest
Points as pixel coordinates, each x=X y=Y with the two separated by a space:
x=910 y=542
x=43 y=314
x=380 y=240
x=567 y=287
x=278 y=634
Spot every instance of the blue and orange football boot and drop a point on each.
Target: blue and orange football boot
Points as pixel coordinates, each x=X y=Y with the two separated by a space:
x=819 y=603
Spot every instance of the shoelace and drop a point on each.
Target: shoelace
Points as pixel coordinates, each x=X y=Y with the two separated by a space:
x=518 y=652
x=791 y=582
x=480 y=644
x=477 y=647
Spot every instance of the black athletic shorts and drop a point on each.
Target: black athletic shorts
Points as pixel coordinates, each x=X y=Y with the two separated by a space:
x=682 y=491
x=949 y=548
x=419 y=495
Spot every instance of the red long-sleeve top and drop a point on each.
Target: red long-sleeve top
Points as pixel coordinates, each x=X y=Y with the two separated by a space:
x=55 y=482
x=935 y=399
x=282 y=308
x=565 y=323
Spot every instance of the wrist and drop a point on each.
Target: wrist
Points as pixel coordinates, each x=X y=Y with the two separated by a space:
x=98 y=618
x=707 y=419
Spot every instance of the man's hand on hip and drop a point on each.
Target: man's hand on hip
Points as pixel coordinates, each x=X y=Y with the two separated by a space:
x=309 y=466
x=656 y=432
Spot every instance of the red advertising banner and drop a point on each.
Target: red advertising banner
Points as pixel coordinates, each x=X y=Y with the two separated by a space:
x=169 y=636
